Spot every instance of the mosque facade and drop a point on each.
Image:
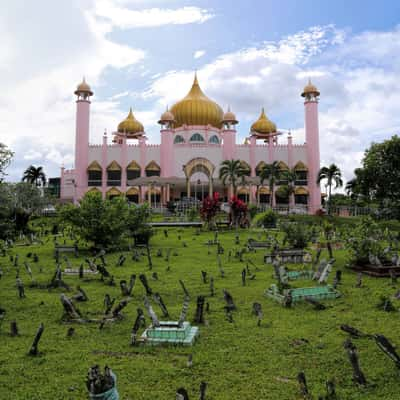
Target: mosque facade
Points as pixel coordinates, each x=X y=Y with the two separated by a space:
x=196 y=137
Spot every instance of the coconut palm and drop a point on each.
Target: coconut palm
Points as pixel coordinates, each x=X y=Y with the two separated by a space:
x=289 y=189
x=231 y=171
x=272 y=173
x=332 y=175
x=35 y=176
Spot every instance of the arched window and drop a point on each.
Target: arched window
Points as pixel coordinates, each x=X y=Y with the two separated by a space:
x=153 y=169
x=114 y=174
x=94 y=174
x=260 y=166
x=301 y=171
x=214 y=139
x=179 y=139
x=197 y=138
x=132 y=171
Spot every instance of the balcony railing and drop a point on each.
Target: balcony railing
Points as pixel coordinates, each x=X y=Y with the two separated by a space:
x=115 y=182
x=301 y=182
x=94 y=182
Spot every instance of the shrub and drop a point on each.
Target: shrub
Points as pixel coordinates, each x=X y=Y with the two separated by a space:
x=367 y=239
x=252 y=210
x=296 y=235
x=266 y=219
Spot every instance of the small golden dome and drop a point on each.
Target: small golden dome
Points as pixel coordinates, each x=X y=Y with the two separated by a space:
x=310 y=89
x=263 y=125
x=197 y=109
x=166 y=117
x=229 y=117
x=83 y=87
x=131 y=126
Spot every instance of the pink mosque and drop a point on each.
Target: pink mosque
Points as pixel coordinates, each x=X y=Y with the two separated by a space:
x=196 y=136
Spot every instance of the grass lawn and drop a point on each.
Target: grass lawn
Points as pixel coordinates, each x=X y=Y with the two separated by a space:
x=238 y=360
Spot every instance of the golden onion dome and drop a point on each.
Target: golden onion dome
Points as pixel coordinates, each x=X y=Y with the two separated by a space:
x=197 y=109
x=130 y=126
x=229 y=117
x=166 y=117
x=83 y=87
x=310 y=89
x=263 y=125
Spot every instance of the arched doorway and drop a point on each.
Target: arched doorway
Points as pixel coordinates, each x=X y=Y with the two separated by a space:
x=113 y=192
x=132 y=195
x=199 y=177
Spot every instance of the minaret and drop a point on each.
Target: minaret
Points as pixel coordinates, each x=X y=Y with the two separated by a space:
x=83 y=93
x=311 y=96
x=229 y=135
x=167 y=121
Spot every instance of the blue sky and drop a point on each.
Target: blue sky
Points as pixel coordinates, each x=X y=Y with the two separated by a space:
x=248 y=54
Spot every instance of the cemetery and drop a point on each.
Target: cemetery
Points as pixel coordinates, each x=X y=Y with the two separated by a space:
x=199 y=309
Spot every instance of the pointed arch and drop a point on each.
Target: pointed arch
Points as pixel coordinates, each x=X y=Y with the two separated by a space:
x=113 y=192
x=133 y=166
x=114 y=166
x=199 y=165
x=153 y=169
x=301 y=191
x=300 y=166
x=114 y=174
x=132 y=191
x=283 y=166
x=94 y=166
x=260 y=166
x=94 y=190
x=94 y=174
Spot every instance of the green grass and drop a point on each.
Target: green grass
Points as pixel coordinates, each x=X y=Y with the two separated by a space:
x=239 y=360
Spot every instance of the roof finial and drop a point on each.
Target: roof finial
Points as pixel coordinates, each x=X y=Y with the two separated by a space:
x=195 y=82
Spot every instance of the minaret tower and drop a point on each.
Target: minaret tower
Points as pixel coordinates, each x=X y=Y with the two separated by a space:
x=167 y=121
x=229 y=135
x=83 y=93
x=311 y=97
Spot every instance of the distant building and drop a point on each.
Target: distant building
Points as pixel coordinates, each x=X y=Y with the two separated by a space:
x=196 y=136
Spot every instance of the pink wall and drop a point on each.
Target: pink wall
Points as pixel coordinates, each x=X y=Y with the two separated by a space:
x=229 y=144
x=313 y=157
x=81 y=145
x=166 y=152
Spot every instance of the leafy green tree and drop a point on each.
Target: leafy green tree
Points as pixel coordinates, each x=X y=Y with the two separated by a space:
x=232 y=171
x=6 y=156
x=332 y=175
x=19 y=202
x=35 y=176
x=381 y=164
x=271 y=173
x=98 y=220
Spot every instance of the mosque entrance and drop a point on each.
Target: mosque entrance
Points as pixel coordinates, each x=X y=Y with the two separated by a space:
x=199 y=178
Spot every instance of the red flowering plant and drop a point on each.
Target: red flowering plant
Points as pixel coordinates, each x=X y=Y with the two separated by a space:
x=238 y=214
x=210 y=208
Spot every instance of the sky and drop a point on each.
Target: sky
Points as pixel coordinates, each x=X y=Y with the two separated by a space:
x=248 y=54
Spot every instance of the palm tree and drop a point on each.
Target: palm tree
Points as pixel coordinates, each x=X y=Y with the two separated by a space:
x=34 y=176
x=290 y=188
x=270 y=172
x=331 y=174
x=231 y=171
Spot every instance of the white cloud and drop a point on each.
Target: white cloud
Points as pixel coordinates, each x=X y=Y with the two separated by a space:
x=357 y=76
x=124 y=17
x=199 y=53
